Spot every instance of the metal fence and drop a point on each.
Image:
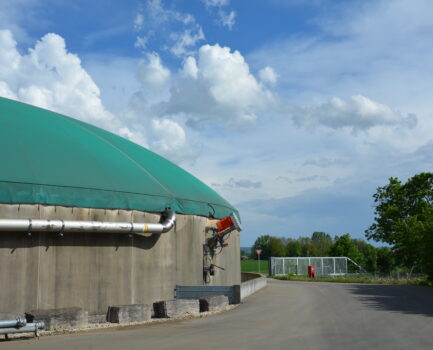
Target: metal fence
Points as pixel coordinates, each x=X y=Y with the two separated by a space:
x=324 y=266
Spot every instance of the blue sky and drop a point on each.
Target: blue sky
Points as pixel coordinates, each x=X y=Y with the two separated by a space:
x=293 y=110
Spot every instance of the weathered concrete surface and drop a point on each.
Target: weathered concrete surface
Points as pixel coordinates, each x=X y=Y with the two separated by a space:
x=6 y=316
x=213 y=303
x=129 y=313
x=285 y=315
x=57 y=319
x=176 y=308
x=251 y=283
x=95 y=270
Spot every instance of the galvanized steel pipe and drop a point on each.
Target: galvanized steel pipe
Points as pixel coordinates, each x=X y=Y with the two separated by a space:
x=18 y=322
x=60 y=226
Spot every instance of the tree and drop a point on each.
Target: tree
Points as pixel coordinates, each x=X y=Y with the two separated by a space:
x=293 y=248
x=345 y=246
x=385 y=260
x=404 y=219
x=271 y=246
x=322 y=243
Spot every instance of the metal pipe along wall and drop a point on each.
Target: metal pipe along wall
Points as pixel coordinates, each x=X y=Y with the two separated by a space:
x=37 y=225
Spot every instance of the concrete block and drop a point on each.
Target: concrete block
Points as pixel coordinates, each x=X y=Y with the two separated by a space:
x=236 y=294
x=176 y=308
x=66 y=318
x=213 y=303
x=97 y=318
x=129 y=313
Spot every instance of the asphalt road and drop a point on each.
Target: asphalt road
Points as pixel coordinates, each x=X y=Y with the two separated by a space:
x=285 y=315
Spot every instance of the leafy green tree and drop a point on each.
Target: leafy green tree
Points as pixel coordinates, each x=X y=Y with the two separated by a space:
x=369 y=255
x=271 y=246
x=345 y=246
x=276 y=247
x=293 y=248
x=385 y=260
x=322 y=243
x=404 y=219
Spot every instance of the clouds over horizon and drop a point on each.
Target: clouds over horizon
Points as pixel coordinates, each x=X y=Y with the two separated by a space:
x=359 y=113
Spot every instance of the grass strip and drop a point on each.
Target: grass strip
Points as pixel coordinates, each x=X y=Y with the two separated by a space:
x=351 y=279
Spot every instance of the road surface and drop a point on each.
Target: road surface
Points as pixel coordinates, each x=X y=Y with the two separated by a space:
x=285 y=315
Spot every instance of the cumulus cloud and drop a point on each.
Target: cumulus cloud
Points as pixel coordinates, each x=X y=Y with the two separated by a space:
x=5 y=91
x=190 y=68
x=359 y=113
x=50 y=77
x=268 y=75
x=219 y=87
x=151 y=72
x=170 y=140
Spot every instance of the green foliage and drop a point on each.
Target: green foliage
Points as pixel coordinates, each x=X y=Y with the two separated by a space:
x=271 y=246
x=385 y=260
x=321 y=243
x=293 y=248
x=404 y=219
x=345 y=246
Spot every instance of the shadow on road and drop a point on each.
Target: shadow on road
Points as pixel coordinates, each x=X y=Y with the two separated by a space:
x=405 y=299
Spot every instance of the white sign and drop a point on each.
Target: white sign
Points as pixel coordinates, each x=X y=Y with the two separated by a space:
x=258 y=251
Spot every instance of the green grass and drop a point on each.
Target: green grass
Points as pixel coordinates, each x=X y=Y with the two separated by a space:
x=253 y=266
x=358 y=279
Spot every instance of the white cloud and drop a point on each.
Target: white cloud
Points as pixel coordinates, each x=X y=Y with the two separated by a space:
x=190 y=68
x=170 y=135
x=222 y=89
x=240 y=183
x=51 y=77
x=359 y=113
x=156 y=12
x=185 y=41
x=138 y=21
x=151 y=72
x=216 y=3
x=174 y=31
x=141 y=42
x=5 y=91
x=10 y=58
x=170 y=140
x=268 y=75
x=227 y=19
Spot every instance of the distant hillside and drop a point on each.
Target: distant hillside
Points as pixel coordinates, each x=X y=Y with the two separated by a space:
x=247 y=250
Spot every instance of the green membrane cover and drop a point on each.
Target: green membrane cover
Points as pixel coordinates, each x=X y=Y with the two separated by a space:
x=49 y=158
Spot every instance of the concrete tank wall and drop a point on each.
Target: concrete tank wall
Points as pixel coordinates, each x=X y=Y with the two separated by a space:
x=95 y=270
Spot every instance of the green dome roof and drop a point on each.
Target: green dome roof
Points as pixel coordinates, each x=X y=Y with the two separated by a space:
x=49 y=158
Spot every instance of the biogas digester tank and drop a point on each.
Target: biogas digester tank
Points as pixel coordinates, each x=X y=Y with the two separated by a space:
x=58 y=168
